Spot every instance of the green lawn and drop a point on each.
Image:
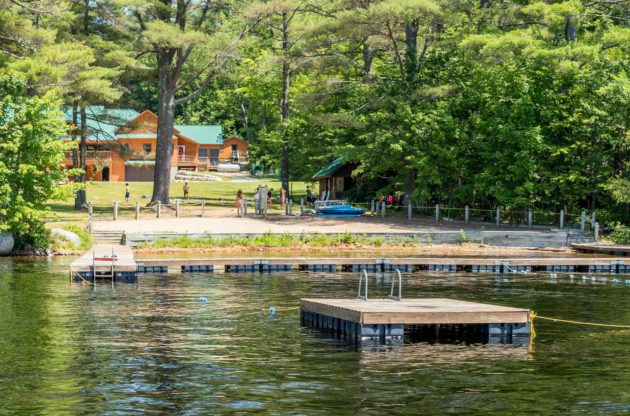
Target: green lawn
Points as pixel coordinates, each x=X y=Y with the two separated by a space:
x=103 y=194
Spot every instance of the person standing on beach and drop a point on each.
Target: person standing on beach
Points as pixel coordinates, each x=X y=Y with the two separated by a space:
x=270 y=196
x=239 y=202
x=127 y=192
x=283 y=197
x=186 y=190
x=257 y=200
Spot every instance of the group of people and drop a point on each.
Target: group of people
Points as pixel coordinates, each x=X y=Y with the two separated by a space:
x=392 y=199
x=263 y=199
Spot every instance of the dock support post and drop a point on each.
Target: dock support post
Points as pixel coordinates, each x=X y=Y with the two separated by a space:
x=437 y=212
x=203 y=208
x=530 y=217
x=596 y=232
x=409 y=210
x=583 y=220
x=137 y=210
x=177 y=208
x=301 y=206
x=159 y=208
x=561 y=219
x=372 y=206
x=498 y=216
x=466 y=214
x=383 y=210
x=115 y=210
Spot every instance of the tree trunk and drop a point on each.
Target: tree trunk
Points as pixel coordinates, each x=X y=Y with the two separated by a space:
x=570 y=29
x=411 y=52
x=284 y=106
x=367 y=59
x=80 y=199
x=75 y=123
x=410 y=185
x=166 y=117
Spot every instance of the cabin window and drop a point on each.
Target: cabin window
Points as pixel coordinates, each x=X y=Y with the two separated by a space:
x=147 y=147
x=203 y=153
x=234 y=147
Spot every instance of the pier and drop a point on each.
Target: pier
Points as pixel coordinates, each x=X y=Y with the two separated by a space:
x=431 y=319
x=614 y=265
x=117 y=262
x=114 y=262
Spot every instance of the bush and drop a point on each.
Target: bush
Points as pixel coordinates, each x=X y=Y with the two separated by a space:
x=620 y=233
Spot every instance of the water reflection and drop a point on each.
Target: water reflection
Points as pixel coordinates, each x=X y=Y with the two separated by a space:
x=152 y=347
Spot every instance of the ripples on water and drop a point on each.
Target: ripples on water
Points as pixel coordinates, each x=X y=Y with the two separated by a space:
x=153 y=348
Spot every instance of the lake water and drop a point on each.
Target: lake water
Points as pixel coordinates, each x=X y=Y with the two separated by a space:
x=153 y=348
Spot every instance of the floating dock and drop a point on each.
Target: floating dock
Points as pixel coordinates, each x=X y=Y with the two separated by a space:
x=608 y=249
x=431 y=319
x=123 y=266
x=404 y=264
x=113 y=262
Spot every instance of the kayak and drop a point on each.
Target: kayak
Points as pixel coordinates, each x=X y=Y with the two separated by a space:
x=341 y=210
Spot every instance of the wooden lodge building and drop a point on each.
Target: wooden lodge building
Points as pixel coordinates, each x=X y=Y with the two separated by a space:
x=121 y=146
x=335 y=179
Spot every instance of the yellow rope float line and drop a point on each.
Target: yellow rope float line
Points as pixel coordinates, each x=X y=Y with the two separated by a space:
x=533 y=315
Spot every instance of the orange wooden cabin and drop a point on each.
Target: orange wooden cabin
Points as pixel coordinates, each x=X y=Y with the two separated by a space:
x=121 y=146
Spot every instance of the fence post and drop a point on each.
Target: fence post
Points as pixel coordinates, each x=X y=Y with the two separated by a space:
x=561 y=219
x=383 y=210
x=596 y=232
x=437 y=212
x=530 y=217
x=115 y=210
x=301 y=206
x=372 y=206
x=289 y=207
x=137 y=210
x=177 y=208
x=203 y=208
x=90 y=216
x=498 y=216
x=159 y=208
x=244 y=207
x=466 y=214
x=583 y=220
x=593 y=219
x=409 y=210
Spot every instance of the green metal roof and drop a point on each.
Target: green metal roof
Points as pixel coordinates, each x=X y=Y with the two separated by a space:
x=140 y=162
x=202 y=134
x=328 y=170
x=103 y=122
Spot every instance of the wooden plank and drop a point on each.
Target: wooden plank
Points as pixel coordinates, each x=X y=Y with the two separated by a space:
x=415 y=311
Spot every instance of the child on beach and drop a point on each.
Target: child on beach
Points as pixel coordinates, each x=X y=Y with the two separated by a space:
x=127 y=192
x=186 y=191
x=239 y=202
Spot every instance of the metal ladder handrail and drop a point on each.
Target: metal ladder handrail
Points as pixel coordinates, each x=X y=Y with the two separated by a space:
x=362 y=275
x=391 y=293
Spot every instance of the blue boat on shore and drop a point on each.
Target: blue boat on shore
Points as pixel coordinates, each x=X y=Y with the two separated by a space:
x=341 y=210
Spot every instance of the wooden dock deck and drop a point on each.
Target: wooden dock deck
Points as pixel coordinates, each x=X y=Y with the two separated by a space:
x=98 y=262
x=417 y=318
x=609 y=249
x=415 y=311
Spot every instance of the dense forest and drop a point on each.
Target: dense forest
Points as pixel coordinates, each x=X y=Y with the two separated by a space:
x=488 y=103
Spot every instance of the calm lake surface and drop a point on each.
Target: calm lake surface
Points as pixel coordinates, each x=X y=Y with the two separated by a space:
x=153 y=348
